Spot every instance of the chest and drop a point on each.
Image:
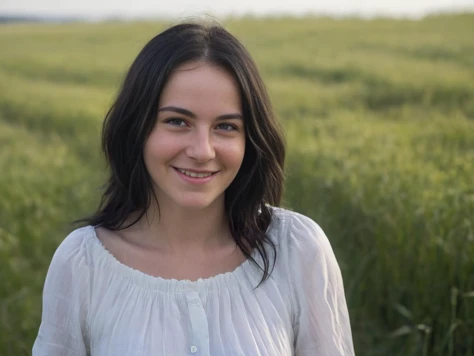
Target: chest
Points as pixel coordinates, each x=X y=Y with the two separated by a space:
x=190 y=264
x=188 y=322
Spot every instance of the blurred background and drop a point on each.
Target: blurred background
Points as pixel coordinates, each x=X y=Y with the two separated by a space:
x=377 y=101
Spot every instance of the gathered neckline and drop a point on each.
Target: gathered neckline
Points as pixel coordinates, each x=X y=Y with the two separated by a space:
x=221 y=280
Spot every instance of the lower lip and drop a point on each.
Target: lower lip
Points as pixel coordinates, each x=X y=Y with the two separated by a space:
x=195 y=180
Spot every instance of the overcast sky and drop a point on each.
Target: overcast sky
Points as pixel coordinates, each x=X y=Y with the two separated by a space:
x=180 y=8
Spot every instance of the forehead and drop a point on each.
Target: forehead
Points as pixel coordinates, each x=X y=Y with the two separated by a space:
x=201 y=86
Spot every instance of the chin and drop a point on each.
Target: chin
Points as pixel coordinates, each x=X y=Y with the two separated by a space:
x=196 y=203
x=191 y=200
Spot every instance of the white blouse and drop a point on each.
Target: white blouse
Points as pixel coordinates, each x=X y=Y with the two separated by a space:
x=95 y=305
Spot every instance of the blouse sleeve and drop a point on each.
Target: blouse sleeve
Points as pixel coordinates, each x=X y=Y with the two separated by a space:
x=65 y=302
x=321 y=318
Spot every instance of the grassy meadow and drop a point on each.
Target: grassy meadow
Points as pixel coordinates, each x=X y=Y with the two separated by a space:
x=379 y=119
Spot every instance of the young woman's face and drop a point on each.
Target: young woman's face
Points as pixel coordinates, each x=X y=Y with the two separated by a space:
x=198 y=143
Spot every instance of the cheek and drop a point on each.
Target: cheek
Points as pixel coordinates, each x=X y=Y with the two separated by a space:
x=162 y=147
x=234 y=154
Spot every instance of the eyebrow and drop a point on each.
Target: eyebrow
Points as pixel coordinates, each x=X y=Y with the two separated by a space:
x=193 y=115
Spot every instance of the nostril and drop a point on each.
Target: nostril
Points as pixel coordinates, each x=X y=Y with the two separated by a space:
x=202 y=150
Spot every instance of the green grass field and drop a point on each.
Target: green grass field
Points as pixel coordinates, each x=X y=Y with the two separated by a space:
x=379 y=118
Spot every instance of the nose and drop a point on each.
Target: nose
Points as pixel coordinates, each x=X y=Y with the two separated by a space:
x=201 y=147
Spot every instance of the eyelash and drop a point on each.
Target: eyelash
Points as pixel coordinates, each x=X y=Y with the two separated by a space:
x=172 y=121
x=232 y=127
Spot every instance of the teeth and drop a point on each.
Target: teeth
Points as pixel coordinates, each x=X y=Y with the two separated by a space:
x=194 y=175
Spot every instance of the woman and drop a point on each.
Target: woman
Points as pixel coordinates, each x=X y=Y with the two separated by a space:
x=188 y=253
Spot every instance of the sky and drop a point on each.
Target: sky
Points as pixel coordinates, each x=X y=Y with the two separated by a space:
x=184 y=8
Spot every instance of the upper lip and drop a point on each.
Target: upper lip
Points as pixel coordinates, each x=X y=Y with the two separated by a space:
x=194 y=170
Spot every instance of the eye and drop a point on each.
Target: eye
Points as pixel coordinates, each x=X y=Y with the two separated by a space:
x=174 y=121
x=227 y=127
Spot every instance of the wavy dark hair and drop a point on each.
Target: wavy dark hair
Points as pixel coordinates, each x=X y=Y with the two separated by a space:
x=259 y=183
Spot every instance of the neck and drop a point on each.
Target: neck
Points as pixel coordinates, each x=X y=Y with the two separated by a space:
x=176 y=229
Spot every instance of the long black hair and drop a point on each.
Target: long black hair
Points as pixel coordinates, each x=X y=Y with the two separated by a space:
x=127 y=125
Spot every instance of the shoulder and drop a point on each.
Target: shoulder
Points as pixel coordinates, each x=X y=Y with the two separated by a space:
x=73 y=251
x=67 y=289
x=289 y=228
x=299 y=240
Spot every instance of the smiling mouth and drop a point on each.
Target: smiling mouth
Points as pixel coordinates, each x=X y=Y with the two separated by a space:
x=195 y=174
